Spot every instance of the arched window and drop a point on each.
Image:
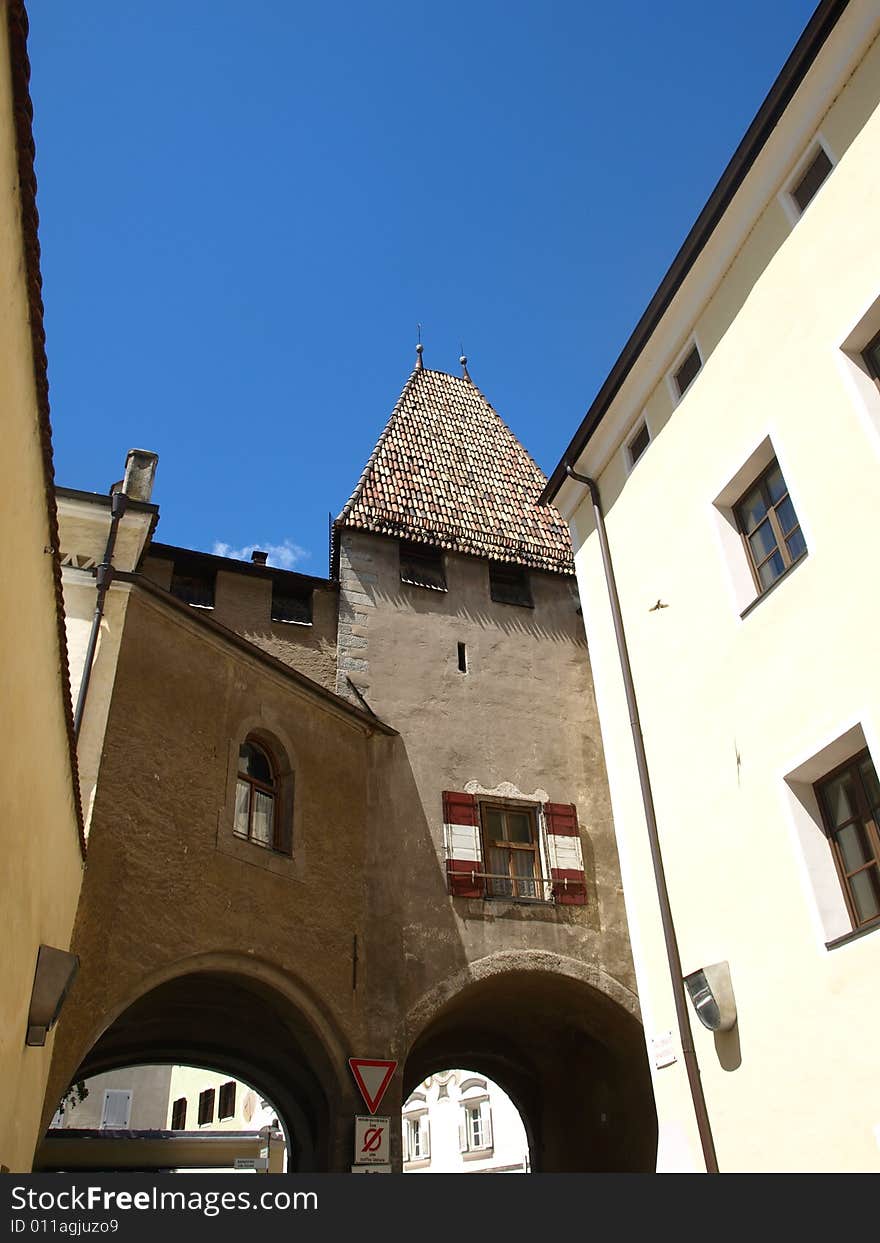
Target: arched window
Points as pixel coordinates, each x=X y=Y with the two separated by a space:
x=256 y=796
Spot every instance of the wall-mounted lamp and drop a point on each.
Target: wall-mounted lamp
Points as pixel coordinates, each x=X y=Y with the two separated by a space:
x=711 y=993
x=56 y=971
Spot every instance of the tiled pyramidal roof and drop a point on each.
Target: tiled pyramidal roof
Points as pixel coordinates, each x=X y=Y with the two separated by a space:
x=447 y=471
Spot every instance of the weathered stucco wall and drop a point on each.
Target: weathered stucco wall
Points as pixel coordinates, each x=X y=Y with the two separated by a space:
x=39 y=835
x=523 y=714
x=164 y=873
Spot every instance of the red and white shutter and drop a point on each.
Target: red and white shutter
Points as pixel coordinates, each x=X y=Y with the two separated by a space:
x=464 y=854
x=566 y=858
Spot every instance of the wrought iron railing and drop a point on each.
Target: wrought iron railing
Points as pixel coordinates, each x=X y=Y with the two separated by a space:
x=518 y=888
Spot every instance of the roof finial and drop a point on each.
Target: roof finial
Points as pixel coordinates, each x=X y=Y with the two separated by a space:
x=419 y=348
x=463 y=361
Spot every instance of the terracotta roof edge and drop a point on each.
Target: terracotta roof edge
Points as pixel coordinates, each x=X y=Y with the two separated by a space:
x=22 y=107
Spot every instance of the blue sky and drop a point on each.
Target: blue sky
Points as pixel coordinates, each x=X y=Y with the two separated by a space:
x=245 y=209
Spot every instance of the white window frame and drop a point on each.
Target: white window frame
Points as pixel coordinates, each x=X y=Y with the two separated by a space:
x=417 y=1133
x=691 y=343
x=740 y=580
x=630 y=461
x=482 y=1106
x=786 y=195
x=820 y=880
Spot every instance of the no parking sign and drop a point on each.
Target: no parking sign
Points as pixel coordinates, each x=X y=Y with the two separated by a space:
x=371 y=1140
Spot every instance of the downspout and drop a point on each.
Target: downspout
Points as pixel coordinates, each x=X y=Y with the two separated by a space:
x=672 y=955
x=104 y=577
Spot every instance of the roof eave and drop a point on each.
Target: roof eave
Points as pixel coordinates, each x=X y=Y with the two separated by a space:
x=781 y=93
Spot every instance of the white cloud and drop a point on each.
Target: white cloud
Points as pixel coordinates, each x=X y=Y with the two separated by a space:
x=286 y=556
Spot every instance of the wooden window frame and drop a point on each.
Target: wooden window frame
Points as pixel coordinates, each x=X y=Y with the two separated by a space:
x=226 y=1100
x=505 y=807
x=775 y=526
x=273 y=790
x=497 y=571
x=178 y=1114
x=865 y=814
x=872 y=365
x=206 y=1107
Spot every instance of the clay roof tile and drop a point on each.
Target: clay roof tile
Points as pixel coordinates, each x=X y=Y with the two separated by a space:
x=447 y=471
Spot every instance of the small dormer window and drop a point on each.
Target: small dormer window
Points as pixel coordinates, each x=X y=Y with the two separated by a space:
x=687 y=370
x=637 y=445
x=809 y=181
x=422 y=566
x=509 y=584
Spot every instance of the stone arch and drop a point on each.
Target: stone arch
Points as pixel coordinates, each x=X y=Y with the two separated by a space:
x=562 y=1039
x=238 y=1015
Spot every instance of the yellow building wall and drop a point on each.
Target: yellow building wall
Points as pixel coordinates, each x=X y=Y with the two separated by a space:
x=39 y=841
x=731 y=705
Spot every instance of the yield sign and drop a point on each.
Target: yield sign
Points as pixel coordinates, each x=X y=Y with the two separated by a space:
x=372 y=1077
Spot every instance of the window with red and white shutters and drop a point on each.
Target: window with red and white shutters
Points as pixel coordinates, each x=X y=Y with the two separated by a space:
x=566 y=858
x=464 y=852
x=464 y=849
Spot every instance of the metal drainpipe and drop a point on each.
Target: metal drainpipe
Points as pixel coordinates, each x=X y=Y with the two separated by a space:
x=104 y=577
x=684 y=1028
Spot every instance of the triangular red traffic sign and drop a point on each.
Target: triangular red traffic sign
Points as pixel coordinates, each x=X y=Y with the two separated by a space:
x=372 y=1077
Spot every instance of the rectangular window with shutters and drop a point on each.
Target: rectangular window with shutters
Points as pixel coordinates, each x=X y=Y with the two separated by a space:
x=502 y=849
x=116 y=1113
x=475 y=1128
x=178 y=1114
x=417 y=1138
x=422 y=566
x=849 y=800
x=226 y=1100
x=206 y=1107
x=509 y=584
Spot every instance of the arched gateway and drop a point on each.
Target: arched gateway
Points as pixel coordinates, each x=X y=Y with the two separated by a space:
x=366 y=815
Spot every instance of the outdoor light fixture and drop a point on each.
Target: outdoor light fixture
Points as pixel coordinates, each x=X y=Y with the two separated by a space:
x=56 y=971
x=711 y=993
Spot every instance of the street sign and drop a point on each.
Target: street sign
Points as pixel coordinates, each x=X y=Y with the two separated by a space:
x=371 y=1169
x=251 y=1163
x=372 y=1076
x=371 y=1140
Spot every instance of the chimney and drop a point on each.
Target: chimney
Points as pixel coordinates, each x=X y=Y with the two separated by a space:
x=140 y=471
x=259 y=557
